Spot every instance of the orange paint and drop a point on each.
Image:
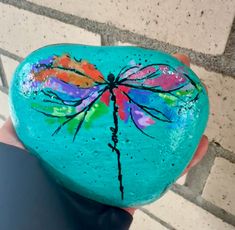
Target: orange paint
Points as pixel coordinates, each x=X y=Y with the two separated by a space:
x=66 y=76
x=44 y=74
x=64 y=61
x=90 y=71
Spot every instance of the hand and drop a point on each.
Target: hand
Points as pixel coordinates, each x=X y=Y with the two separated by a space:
x=8 y=136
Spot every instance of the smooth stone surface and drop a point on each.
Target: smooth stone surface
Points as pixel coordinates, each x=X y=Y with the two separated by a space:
x=115 y=124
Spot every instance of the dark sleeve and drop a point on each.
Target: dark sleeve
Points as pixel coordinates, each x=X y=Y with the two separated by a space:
x=31 y=200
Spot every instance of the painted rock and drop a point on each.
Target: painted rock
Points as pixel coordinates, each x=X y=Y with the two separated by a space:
x=114 y=124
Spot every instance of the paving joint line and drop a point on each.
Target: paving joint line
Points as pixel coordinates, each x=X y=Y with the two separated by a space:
x=4 y=89
x=187 y=194
x=3 y=74
x=2 y=117
x=224 y=153
x=198 y=175
x=160 y=221
x=107 y=40
x=217 y=63
x=229 y=51
x=202 y=170
x=11 y=55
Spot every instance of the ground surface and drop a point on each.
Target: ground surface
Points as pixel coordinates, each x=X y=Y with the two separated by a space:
x=205 y=198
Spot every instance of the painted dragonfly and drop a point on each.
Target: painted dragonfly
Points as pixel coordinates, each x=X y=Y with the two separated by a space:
x=76 y=93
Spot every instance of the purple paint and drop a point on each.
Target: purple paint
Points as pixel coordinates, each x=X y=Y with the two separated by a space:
x=72 y=91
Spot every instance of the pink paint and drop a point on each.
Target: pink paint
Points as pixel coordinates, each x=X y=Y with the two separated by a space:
x=105 y=98
x=129 y=72
x=143 y=120
x=122 y=101
x=166 y=81
x=143 y=73
x=163 y=68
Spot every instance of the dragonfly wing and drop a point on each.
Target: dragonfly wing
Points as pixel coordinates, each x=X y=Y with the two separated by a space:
x=79 y=73
x=68 y=89
x=127 y=71
x=140 y=118
x=69 y=93
x=156 y=93
x=65 y=79
x=159 y=78
x=148 y=103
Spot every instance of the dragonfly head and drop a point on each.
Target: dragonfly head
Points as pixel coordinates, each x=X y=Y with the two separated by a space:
x=111 y=78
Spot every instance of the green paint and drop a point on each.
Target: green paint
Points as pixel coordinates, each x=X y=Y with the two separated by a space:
x=184 y=93
x=55 y=110
x=73 y=124
x=97 y=111
x=169 y=99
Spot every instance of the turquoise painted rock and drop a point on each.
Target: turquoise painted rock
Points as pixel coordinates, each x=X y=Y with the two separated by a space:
x=114 y=124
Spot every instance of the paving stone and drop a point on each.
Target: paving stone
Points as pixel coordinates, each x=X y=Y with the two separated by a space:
x=182 y=180
x=144 y=222
x=184 y=215
x=4 y=110
x=124 y=44
x=9 y=66
x=220 y=186
x=221 y=125
x=22 y=31
x=201 y=25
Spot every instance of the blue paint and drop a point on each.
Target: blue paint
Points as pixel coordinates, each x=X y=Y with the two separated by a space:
x=88 y=166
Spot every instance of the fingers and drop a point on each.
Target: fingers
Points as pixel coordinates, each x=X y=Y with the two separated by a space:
x=183 y=58
x=204 y=86
x=9 y=126
x=8 y=135
x=130 y=210
x=199 y=154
